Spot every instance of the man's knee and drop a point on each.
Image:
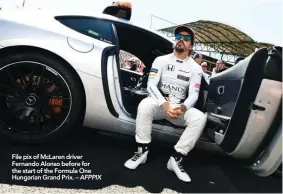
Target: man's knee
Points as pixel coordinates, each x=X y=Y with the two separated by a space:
x=147 y=105
x=196 y=116
x=201 y=116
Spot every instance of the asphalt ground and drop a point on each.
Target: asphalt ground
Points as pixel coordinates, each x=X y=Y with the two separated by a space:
x=106 y=156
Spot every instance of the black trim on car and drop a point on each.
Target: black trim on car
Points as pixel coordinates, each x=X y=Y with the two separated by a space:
x=273 y=68
x=118 y=58
x=105 y=54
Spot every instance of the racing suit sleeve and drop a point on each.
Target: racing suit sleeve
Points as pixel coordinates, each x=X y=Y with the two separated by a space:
x=193 y=92
x=153 y=80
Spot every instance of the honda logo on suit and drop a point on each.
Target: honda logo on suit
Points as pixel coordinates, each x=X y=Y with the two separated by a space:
x=170 y=67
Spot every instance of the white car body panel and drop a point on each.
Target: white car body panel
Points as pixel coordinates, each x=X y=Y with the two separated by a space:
x=45 y=34
x=97 y=113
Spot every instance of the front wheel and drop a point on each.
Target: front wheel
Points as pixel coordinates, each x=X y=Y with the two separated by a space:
x=40 y=98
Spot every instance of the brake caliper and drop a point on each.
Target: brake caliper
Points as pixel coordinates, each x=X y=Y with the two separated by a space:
x=57 y=102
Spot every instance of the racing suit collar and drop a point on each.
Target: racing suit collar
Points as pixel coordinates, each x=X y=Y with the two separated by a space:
x=179 y=60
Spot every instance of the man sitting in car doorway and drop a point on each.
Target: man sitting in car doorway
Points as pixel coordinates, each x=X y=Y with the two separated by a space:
x=174 y=84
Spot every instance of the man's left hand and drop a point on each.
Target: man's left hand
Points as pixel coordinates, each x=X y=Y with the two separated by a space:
x=179 y=111
x=181 y=108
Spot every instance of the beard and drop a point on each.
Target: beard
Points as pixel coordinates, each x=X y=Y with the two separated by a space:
x=179 y=47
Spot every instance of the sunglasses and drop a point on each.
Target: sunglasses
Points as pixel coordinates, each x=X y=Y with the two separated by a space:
x=185 y=37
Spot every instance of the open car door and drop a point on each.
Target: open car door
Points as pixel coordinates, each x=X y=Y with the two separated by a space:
x=244 y=106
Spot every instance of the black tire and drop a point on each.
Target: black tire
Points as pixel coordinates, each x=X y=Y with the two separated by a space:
x=65 y=120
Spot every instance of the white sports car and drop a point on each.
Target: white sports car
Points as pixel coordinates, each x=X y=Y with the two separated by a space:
x=58 y=72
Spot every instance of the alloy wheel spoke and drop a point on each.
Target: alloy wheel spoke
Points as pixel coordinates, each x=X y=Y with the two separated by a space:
x=15 y=84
